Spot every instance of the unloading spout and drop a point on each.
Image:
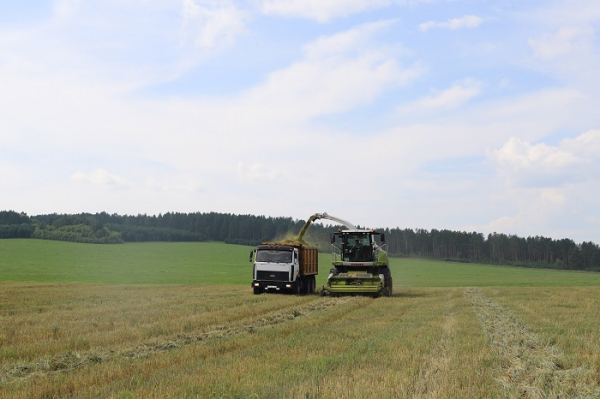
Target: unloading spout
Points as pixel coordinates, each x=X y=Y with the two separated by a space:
x=323 y=215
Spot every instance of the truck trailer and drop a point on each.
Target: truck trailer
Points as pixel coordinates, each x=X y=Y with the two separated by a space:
x=284 y=267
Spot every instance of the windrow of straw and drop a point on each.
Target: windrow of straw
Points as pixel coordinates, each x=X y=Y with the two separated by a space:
x=67 y=361
x=530 y=368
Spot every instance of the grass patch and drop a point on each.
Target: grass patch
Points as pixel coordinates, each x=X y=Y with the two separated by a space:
x=240 y=345
x=219 y=263
x=132 y=263
x=178 y=320
x=429 y=273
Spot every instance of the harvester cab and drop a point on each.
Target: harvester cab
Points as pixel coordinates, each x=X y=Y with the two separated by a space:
x=360 y=264
x=357 y=247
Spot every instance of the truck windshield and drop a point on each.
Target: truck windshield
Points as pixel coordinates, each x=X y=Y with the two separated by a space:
x=273 y=256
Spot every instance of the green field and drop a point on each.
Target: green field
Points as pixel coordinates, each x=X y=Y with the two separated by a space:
x=179 y=320
x=218 y=263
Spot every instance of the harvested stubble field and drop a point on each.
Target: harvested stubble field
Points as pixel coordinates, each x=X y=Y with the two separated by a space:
x=487 y=335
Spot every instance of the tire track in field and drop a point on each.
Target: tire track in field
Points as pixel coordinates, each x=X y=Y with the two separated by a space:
x=530 y=368
x=428 y=384
x=69 y=361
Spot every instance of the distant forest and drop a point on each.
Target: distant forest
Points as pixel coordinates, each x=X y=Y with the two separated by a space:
x=459 y=246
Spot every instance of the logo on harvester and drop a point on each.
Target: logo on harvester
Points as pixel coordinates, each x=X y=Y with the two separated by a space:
x=272 y=275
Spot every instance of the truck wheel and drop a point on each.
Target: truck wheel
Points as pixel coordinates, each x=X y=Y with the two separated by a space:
x=311 y=285
x=299 y=286
x=257 y=290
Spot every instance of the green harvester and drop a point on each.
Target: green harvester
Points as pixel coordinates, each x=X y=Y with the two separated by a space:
x=360 y=264
x=359 y=259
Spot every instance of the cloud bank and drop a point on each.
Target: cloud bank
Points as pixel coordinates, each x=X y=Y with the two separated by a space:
x=228 y=106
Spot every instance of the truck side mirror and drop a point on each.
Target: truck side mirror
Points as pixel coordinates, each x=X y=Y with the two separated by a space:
x=251 y=253
x=332 y=238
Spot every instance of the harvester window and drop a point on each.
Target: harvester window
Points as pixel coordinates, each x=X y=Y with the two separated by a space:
x=357 y=248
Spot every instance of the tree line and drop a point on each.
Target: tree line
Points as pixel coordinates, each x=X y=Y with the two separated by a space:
x=495 y=248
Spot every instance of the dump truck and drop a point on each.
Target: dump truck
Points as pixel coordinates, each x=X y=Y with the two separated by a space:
x=284 y=267
x=360 y=262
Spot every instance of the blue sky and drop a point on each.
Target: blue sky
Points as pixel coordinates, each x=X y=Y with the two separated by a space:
x=462 y=115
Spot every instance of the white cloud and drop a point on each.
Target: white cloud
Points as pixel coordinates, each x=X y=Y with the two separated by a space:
x=254 y=172
x=567 y=13
x=338 y=73
x=587 y=143
x=534 y=207
x=468 y=21
x=65 y=9
x=100 y=177
x=519 y=156
x=530 y=116
x=172 y=184
x=453 y=97
x=355 y=40
x=540 y=165
x=320 y=10
x=212 y=23
x=326 y=10
x=547 y=190
x=566 y=41
x=569 y=211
